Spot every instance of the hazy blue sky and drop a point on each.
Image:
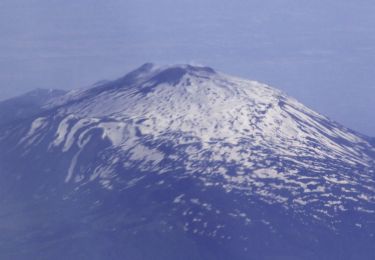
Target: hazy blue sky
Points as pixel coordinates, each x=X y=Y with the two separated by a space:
x=320 y=51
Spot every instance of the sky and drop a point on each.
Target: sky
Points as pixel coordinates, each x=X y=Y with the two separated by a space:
x=321 y=52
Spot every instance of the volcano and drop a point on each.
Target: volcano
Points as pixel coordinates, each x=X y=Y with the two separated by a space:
x=182 y=162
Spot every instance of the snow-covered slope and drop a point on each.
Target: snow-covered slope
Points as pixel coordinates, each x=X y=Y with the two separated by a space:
x=235 y=141
x=217 y=125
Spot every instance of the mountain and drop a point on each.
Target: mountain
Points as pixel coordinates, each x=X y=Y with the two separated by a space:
x=183 y=162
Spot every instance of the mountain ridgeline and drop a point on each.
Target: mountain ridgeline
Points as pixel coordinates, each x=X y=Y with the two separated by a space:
x=26 y=106
x=181 y=162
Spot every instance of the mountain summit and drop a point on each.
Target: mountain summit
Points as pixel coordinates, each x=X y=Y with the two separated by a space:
x=185 y=160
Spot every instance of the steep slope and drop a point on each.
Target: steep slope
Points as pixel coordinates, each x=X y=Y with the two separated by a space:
x=187 y=159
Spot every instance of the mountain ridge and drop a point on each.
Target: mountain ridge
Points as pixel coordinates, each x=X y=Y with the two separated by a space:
x=26 y=105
